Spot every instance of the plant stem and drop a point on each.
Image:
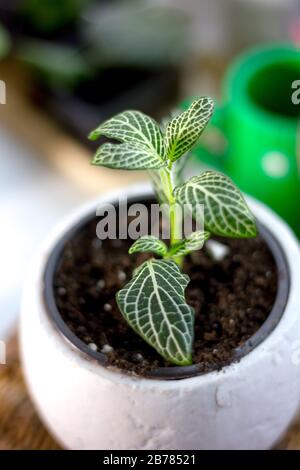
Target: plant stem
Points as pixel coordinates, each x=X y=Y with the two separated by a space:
x=166 y=180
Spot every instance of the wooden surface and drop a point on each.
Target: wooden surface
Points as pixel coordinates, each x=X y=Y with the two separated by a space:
x=20 y=427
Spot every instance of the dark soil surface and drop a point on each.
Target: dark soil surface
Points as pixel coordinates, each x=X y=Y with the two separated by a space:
x=232 y=298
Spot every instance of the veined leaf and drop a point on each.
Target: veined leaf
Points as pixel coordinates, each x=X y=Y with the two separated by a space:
x=183 y=131
x=153 y=304
x=149 y=243
x=173 y=113
x=193 y=242
x=142 y=144
x=58 y=63
x=133 y=127
x=126 y=156
x=225 y=209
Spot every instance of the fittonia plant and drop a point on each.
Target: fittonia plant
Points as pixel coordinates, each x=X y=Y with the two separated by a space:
x=153 y=302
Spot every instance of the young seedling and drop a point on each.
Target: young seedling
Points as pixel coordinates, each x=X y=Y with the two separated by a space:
x=153 y=302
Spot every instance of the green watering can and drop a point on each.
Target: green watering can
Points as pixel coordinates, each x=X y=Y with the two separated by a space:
x=254 y=137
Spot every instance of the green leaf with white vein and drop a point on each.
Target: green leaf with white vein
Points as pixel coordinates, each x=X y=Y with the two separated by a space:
x=183 y=132
x=126 y=156
x=153 y=304
x=149 y=243
x=193 y=242
x=135 y=128
x=225 y=209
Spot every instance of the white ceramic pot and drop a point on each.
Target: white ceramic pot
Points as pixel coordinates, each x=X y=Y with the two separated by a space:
x=247 y=405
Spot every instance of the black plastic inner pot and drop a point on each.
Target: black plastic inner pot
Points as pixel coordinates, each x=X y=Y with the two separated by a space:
x=172 y=372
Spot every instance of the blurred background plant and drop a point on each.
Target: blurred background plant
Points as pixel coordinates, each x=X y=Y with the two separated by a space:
x=5 y=42
x=110 y=55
